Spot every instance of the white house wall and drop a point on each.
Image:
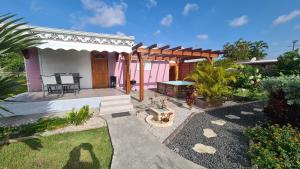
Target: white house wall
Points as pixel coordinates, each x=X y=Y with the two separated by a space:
x=67 y=61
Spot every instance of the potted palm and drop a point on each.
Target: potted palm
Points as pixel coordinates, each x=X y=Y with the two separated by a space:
x=212 y=82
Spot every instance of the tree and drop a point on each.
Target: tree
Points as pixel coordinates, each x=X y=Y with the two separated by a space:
x=212 y=81
x=258 y=49
x=13 y=36
x=242 y=50
x=13 y=39
x=288 y=63
x=13 y=63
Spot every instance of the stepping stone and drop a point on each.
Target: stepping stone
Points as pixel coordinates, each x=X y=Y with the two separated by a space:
x=201 y=148
x=247 y=113
x=230 y=116
x=218 y=122
x=257 y=109
x=209 y=133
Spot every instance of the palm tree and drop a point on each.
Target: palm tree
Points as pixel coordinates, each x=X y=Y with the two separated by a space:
x=212 y=81
x=258 y=49
x=14 y=38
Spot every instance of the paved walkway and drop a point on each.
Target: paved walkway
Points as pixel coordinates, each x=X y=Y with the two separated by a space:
x=136 y=148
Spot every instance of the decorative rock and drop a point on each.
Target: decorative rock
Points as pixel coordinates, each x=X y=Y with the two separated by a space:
x=257 y=109
x=209 y=133
x=218 y=122
x=201 y=148
x=230 y=116
x=247 y=113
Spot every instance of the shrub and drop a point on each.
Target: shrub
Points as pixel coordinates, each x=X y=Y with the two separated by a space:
x=79 y=117
x=275 y=147
x=29 y=129
x=284 y=99
x=212 y=81
x=248 y=77
x=288 y=63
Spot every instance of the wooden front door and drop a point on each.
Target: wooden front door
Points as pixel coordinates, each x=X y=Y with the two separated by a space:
x=99 y=70
x=172 y=73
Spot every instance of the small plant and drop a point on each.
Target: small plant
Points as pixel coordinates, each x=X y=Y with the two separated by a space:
x=191 y=97
x=275 y=147
x=79 y=117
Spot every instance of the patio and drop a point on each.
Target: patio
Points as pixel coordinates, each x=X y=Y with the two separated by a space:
x=83 y=93
x=36 y=103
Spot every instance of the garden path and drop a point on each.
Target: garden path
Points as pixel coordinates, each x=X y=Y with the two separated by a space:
x=136 y=148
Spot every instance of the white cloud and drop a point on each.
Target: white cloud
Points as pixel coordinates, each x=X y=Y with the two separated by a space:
x=189 y=7
x=296 y=27
x=104 y=15
x=240 y=21
x=157 y=33
x=167 y=20
x=120 y=34
x=151 y=3
x=202 y=37
x=285 y=18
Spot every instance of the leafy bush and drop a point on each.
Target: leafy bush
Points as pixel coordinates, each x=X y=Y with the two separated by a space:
x=284 y=99
x=79 y=117
x=29 y=129
x=289 y=85
x=212 y=81
x=248 y=77
x=275 y=147
x=288 y=63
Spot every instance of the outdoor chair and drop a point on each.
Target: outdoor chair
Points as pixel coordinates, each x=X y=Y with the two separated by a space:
x=50 y=84
x=57 y=76
x=68 y=83
x=76 y=78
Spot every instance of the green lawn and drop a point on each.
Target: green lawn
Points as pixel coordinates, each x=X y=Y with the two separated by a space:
x=83 y=150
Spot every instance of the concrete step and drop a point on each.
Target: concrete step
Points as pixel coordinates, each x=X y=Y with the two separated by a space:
x=113 y=98
x=116 y=109
x=115 y=102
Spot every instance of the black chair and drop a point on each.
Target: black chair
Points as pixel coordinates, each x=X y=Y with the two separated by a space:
x=76 y=77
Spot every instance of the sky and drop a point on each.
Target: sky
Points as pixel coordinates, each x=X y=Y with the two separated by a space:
x=206 y=24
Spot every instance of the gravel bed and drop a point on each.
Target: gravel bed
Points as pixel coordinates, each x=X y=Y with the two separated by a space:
x=231 y=144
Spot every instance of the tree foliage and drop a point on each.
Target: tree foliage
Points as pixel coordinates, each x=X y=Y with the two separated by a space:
x=245 y=50
x=13 y=63
x=13 y=36
x=212 y=81
x=288 y=63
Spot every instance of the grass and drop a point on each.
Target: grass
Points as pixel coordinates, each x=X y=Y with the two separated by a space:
x=83 y=150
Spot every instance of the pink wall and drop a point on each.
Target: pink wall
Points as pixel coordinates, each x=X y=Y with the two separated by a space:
x=159 y=72
x=32 y=68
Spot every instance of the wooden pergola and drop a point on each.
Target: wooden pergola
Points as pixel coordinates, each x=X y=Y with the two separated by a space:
x=165 y=53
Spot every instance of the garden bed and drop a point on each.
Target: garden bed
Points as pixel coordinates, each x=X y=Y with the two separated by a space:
x=231 y=144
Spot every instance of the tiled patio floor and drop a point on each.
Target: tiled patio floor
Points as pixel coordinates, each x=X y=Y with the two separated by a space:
x=83 y=93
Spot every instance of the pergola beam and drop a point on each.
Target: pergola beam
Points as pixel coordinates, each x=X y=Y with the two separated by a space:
x=152 y=46
x=164 y=47
x=176 y=48
x=137 y=46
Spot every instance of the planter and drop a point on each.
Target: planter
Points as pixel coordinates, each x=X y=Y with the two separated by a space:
x=208 y=104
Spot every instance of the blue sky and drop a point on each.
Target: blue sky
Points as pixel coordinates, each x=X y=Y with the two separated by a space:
x=193 y=23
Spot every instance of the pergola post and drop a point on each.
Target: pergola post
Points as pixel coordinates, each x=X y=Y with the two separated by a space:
x=176 y=70
x=127 y=63
x=141 y=60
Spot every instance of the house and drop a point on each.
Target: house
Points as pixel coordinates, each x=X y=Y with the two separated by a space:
x=96 y=57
